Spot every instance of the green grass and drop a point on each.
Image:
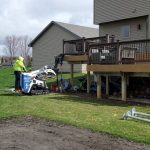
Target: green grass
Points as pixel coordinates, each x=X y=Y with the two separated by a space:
x=96 y=115
x=6 y=78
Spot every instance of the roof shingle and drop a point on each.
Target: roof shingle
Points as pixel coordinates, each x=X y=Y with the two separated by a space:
x=79 y=31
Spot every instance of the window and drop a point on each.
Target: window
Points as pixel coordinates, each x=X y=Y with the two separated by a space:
x=125 y=31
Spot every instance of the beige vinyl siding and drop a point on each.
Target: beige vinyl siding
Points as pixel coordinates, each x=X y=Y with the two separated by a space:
x=50 y=44
x=115 y=28
x=84 y=68
x=113 y=10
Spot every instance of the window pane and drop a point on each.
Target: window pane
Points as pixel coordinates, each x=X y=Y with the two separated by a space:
x=126 y=31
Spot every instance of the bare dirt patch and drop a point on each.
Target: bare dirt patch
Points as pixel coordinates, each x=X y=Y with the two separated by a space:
x=35 y=134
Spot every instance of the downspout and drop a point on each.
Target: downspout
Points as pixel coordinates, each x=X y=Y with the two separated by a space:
x=148 y=27
x=99 y=30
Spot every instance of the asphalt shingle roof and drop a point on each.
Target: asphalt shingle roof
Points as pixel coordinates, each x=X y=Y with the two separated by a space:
x=79 y=31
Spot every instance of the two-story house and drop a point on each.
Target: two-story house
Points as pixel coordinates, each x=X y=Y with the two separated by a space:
x=129 y=22
x=126 y=19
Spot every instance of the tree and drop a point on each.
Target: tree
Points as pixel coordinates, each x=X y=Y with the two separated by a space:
x=11 y=46
x=18 y=45
x=24 y=49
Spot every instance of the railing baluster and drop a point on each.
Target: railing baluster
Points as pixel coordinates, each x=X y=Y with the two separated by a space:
x=102 y=52
x=122 y=52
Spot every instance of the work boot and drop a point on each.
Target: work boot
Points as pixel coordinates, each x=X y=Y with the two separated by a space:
x=16 y=90
x=20 y=91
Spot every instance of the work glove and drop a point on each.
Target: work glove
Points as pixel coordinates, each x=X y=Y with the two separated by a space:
x=24 y=69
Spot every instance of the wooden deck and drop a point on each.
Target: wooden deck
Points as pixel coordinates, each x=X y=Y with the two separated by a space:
x=76 y=58
x=118 y=68
x=109 y=58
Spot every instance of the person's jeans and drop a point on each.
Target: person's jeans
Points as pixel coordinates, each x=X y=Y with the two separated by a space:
x=17 y=80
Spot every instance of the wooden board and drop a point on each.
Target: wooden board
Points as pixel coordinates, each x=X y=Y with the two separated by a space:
x=78 y=58
x=133 y=68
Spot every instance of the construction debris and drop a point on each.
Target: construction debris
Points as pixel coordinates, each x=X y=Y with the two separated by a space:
x=136 y=115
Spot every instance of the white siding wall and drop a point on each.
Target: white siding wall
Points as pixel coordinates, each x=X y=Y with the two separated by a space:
x=115 y=28
x=49 y=45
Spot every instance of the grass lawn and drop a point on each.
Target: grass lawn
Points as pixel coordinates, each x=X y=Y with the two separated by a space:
x=99 y=116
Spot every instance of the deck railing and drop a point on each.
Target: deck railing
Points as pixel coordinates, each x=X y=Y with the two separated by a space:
x=81 y=46
x=127 y=52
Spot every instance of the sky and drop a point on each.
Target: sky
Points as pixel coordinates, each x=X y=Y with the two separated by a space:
x=29 y=17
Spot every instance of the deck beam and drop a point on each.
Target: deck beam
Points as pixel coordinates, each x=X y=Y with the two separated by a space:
x=76 y=58
x=129 y=68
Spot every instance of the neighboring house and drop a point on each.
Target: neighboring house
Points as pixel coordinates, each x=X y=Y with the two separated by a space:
x=49 y=42
x=6 y=61
x=126 y=19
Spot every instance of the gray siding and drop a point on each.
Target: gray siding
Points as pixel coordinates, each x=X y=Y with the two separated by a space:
x=148 y=26
x=49 y=45
x=115 y=28
x=113 y=10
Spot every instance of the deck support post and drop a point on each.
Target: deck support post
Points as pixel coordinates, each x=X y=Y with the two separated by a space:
x=71 y=73
x=63 y=46
x=107 y=85
x=84 y=45
x=88 y=82
x=99 y=86
x=124 y=86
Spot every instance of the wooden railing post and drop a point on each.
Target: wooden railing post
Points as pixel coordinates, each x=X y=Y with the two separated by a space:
x=112 y=39
x=118 y=53
x=89 y=56
x=84 y=44
x=63 y=46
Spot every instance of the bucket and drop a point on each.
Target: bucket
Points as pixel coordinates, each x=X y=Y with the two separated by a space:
x=25 y=82
x=55 y=88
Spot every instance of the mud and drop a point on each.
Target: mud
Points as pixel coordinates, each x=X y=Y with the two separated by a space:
x=35 y=134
